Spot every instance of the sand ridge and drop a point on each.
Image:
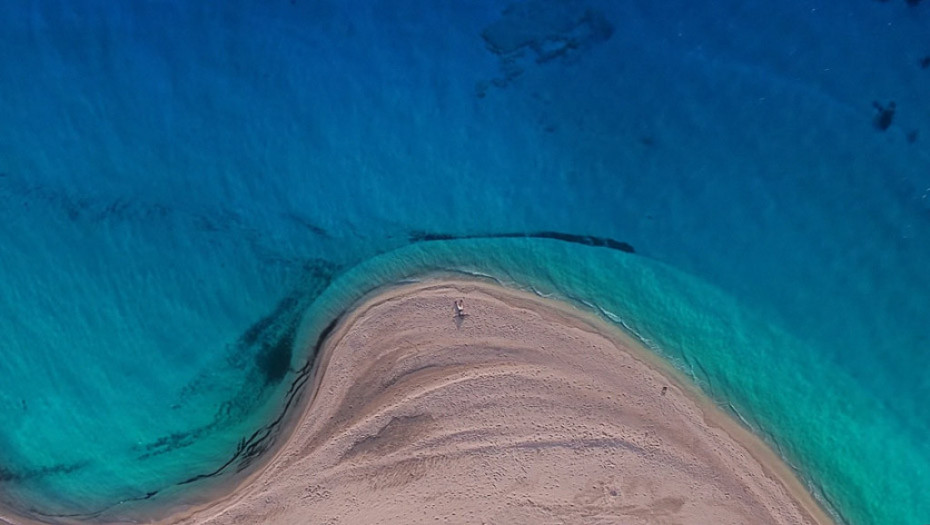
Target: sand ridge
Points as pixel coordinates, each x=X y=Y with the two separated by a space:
x=522 y=411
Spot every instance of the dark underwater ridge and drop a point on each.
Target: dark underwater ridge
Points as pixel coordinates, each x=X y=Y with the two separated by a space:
x=191 y=194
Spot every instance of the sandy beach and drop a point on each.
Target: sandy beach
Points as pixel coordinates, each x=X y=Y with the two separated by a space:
x=524 y=410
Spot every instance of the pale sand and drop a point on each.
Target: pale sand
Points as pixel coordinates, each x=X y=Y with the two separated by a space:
x=525 y=411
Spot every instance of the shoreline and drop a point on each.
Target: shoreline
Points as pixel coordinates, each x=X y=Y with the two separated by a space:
x=773 y=466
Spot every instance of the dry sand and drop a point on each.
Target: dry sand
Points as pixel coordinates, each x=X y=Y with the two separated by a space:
x=524 y=411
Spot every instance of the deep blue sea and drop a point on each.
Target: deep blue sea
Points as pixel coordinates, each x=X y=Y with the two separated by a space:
x=191 y=192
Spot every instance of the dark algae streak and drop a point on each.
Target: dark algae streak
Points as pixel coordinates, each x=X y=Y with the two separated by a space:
x=587 y=240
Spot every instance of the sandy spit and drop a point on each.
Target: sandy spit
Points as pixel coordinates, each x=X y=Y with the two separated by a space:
x=524 y=410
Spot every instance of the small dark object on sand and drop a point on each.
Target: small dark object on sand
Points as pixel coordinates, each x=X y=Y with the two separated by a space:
x=664 y=390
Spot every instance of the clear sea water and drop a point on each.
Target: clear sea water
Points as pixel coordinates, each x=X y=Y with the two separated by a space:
x=190 y=193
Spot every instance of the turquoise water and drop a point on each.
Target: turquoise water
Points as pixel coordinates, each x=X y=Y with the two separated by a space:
x=190 y=194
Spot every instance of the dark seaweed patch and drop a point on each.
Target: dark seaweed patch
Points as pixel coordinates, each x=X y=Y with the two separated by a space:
x=426 y=237
x=274 y=360
x=276 y=363
x=271 y=339
x=319 y=274
x=260 y=441
x=884 y=116
x=545 y=30
x=274 y=334
x=264 y=351
x=303 y=222
x=259 y=328
x=168 y=443
x=587 y=240
x=9 y=475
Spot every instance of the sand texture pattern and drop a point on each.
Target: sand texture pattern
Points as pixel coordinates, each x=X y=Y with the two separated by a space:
x=522 y=411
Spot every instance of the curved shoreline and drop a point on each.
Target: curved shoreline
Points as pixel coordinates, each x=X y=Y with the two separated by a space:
x=349 y=443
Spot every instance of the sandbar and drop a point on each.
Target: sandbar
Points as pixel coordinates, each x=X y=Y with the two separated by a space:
x=520 y=410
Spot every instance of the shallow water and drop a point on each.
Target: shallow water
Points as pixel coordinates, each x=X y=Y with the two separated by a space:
x=179 y=185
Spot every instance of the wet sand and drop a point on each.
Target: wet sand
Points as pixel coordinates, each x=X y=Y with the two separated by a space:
x=525 y=410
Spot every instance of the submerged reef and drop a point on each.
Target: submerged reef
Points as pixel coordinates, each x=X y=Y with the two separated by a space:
x=541 y=31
